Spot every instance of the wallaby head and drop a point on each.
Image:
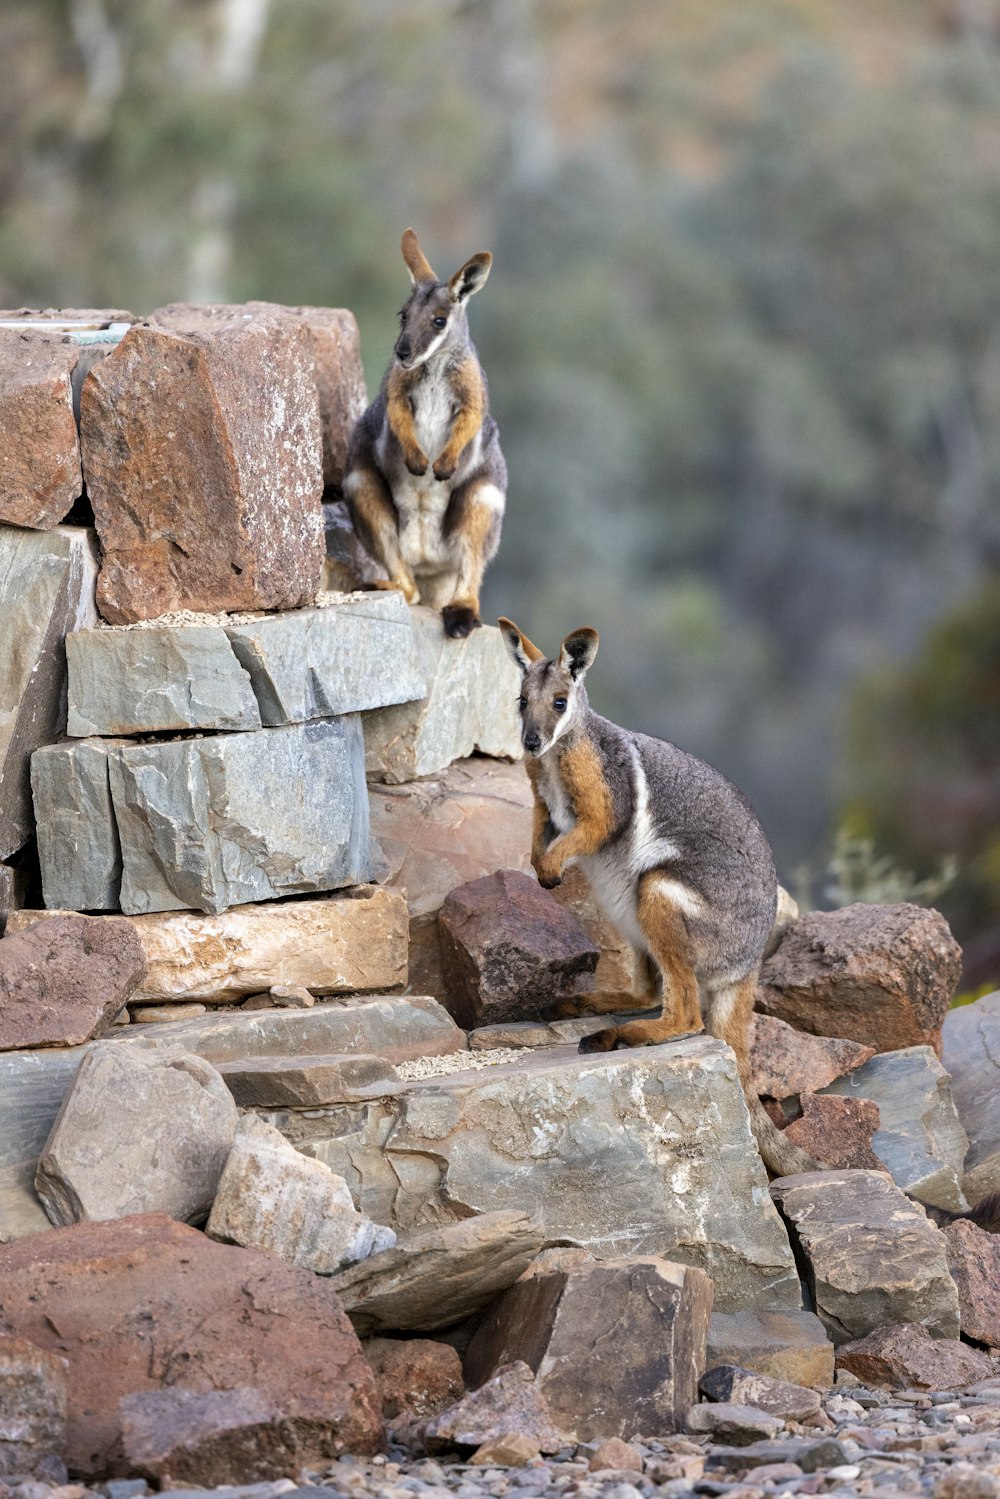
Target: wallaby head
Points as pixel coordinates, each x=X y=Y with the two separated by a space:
x=552 y=692
x=435 y=314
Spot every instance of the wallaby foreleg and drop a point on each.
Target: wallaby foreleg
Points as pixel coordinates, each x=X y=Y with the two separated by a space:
x=377 y=524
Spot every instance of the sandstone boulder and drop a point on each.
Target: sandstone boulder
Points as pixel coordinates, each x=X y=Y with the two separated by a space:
x=270 y=1196
x=147 y=1303
x=470 y=705
x=205 y=1439
x=791 y=1402
x=509 y=950
x=40 y=474
x=644 y=1151
x=919 y=1137
x=345 y=944
x=142 y=1129
x=906 y=1357
x=65 y=981
x=879 y=975
x=971 y=1057
x=47 y=584
x=787 y=1062
x=32 y=1406
x=974 y=1262
x=508 y=1404
x=417 y=1375
x=223 y=511
x=436 y=1276
x=649 y=1318
x=790 y=1346
x=871 y=1256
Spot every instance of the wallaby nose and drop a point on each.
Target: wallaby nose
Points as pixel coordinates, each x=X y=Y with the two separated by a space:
x=532 y=741
x=403 y=349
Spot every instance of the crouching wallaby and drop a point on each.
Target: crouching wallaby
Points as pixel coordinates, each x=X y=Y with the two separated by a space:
x=672 y=851
x=426 y=481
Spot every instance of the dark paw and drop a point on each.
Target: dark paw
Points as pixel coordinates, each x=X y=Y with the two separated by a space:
x=605 y=1040
x=417 y=469
x=548 y=883
x=562 y=1009
x=459 y=621
x=444 y=471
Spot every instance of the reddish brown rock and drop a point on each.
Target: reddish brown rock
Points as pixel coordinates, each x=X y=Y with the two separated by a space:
x=203 y=462
x=616 y=1455
x=508 y=1404
x=905 y=1356
x=415 y=1374
x=146 y=1303
x=509 y=950
x=879 y=975
x=649 y=1318
x=786 y=1061
x=974 y=1262
x=618 y=978
x=837 y=1131
x=32 y=1406
x=63 y=982
x=40 y=474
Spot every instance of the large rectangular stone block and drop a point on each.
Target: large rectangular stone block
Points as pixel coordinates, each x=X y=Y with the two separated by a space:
x=628 y=1152
x=470 y=706
x=78 y=847
x=40 y=474
x=47 y=581
x=341 y=945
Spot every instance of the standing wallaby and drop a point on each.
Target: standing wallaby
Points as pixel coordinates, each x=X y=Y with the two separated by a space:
x=426 y=481
x=672 y=851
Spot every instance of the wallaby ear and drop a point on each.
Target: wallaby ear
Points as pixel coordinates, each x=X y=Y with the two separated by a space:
x=519 y=647
x=416 y=261
x=577 y=652
x=471 y=277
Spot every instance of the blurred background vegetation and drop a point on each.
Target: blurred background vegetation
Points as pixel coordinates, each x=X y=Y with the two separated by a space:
x=743 y=337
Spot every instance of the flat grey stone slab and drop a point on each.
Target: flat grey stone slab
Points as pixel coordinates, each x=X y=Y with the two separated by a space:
x=47 y=582
x=644 y=1151
x=469 y=707
x=210 y=823
x=971 y=1057
x=78 y=846
x=156 y=679
x=308 y=1082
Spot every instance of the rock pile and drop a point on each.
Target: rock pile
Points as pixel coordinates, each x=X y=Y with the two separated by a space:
x=289 y=1145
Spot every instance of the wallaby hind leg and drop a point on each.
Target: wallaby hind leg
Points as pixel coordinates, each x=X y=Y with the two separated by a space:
x=728 y=1013
x=377 y=524
x=663 y=925
x=650 y=995
x=472 y=526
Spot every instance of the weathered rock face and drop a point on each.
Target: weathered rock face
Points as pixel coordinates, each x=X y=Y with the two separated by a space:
x=32 y=1086
x=40 y=475
x=343 y=945
x=272 y=1197
x=64 y=982
x=789 y=1346
x=837 y=1131
x=472 y=688
x=971 y=1057
x=509 y=950
x=786 y=1061
x=213 y=1438
x=728 y=1382
x=974 y=1262
x=13 y=888
x=919 y=1139
x=32 y=1406
x=731 y=1422
x=880 y=975
x=508 y=1404
x=906 y=1357
x=46 y=590
x=435 y=1277
x=147 y=1303
x=234 y=818
x=649 y=1318
x=79 y=851
x=306 y=1082
x=219 y=512
x=629 y=1152
x=871 y=1256
x=159 y=1147
x=415 y=1374
x=165 y=678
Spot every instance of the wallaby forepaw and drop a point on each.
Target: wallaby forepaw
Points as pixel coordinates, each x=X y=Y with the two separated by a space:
x=605 y=1040
x=563 y=1009
x=459 y=620
x=549 y=881
x=444 y=471
x=417 y=466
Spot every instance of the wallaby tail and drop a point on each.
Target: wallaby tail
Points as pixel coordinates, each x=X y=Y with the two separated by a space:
x=985 y=1214
x=779 y=1155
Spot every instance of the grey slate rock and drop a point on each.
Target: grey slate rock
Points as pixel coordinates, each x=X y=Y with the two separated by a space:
x=728 y=1382
x=920 y=1138
x=229 y=819
x=971 y=1057
x=78 y=846
x=13 y=886
x=47 y=582
x=155 y=680
x=811 y=1456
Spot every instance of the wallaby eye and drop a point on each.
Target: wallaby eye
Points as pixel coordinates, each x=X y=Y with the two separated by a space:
x=559 y=703
x=440 y=322
x=522 y=703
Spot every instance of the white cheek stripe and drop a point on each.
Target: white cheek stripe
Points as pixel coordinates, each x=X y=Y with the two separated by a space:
x=430 y=349
x=563 y=723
